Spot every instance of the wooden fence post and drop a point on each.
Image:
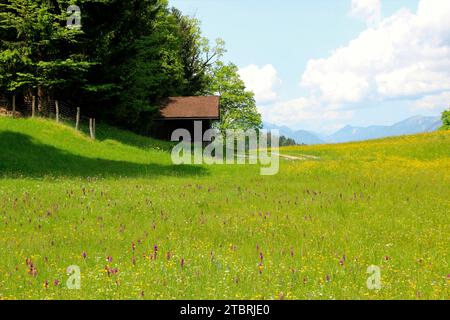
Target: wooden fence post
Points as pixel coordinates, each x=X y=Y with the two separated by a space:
x=33 y=107
x=77 y=121
x=93 y=128
x=14 y=106
x=90 y=128
x=57 y=110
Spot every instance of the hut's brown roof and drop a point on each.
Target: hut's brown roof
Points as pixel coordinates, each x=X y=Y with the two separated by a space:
x=201 y=107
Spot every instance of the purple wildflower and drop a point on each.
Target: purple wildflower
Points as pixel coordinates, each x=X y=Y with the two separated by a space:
x=260 y=268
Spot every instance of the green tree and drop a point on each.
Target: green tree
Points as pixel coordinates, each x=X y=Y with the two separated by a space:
x=125 y=58
x=198 y=56
x=154 y=71
x=237 y=105
x=446 y=120
x=124 y=38
x=143 y=58
x=39 y=55
x=286 y=142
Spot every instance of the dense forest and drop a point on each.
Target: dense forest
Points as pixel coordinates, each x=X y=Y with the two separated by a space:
x=116 y=58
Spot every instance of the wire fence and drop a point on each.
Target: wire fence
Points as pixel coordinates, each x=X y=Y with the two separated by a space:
x=59 y=110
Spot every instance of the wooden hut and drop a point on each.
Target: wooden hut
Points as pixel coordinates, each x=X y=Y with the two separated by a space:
x=182 y=112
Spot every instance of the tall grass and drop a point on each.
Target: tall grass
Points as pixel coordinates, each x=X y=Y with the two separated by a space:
x=140 y=228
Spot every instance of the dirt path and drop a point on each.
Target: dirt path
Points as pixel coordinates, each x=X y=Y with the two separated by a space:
x=302 y=157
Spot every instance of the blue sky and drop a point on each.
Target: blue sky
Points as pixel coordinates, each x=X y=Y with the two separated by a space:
x=273 y=43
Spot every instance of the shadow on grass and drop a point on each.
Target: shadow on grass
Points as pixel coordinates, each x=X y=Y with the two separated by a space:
x=106 y=132
x=21 y=156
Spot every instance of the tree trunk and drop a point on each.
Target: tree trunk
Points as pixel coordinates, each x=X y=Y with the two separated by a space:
x=40 y=98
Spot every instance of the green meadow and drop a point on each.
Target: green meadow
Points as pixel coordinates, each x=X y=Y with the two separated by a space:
x=139 y=227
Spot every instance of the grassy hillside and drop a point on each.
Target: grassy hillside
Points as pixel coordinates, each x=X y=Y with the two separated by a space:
x=140 y=228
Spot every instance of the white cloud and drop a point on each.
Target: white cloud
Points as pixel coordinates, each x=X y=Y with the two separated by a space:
x=263 y=81
x=437 y=102
x=307 y=112
x=407 y=56
x=367 y=10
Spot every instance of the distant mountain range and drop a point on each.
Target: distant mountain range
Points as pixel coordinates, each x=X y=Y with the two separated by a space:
x=413 y=125
x=300 y=136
